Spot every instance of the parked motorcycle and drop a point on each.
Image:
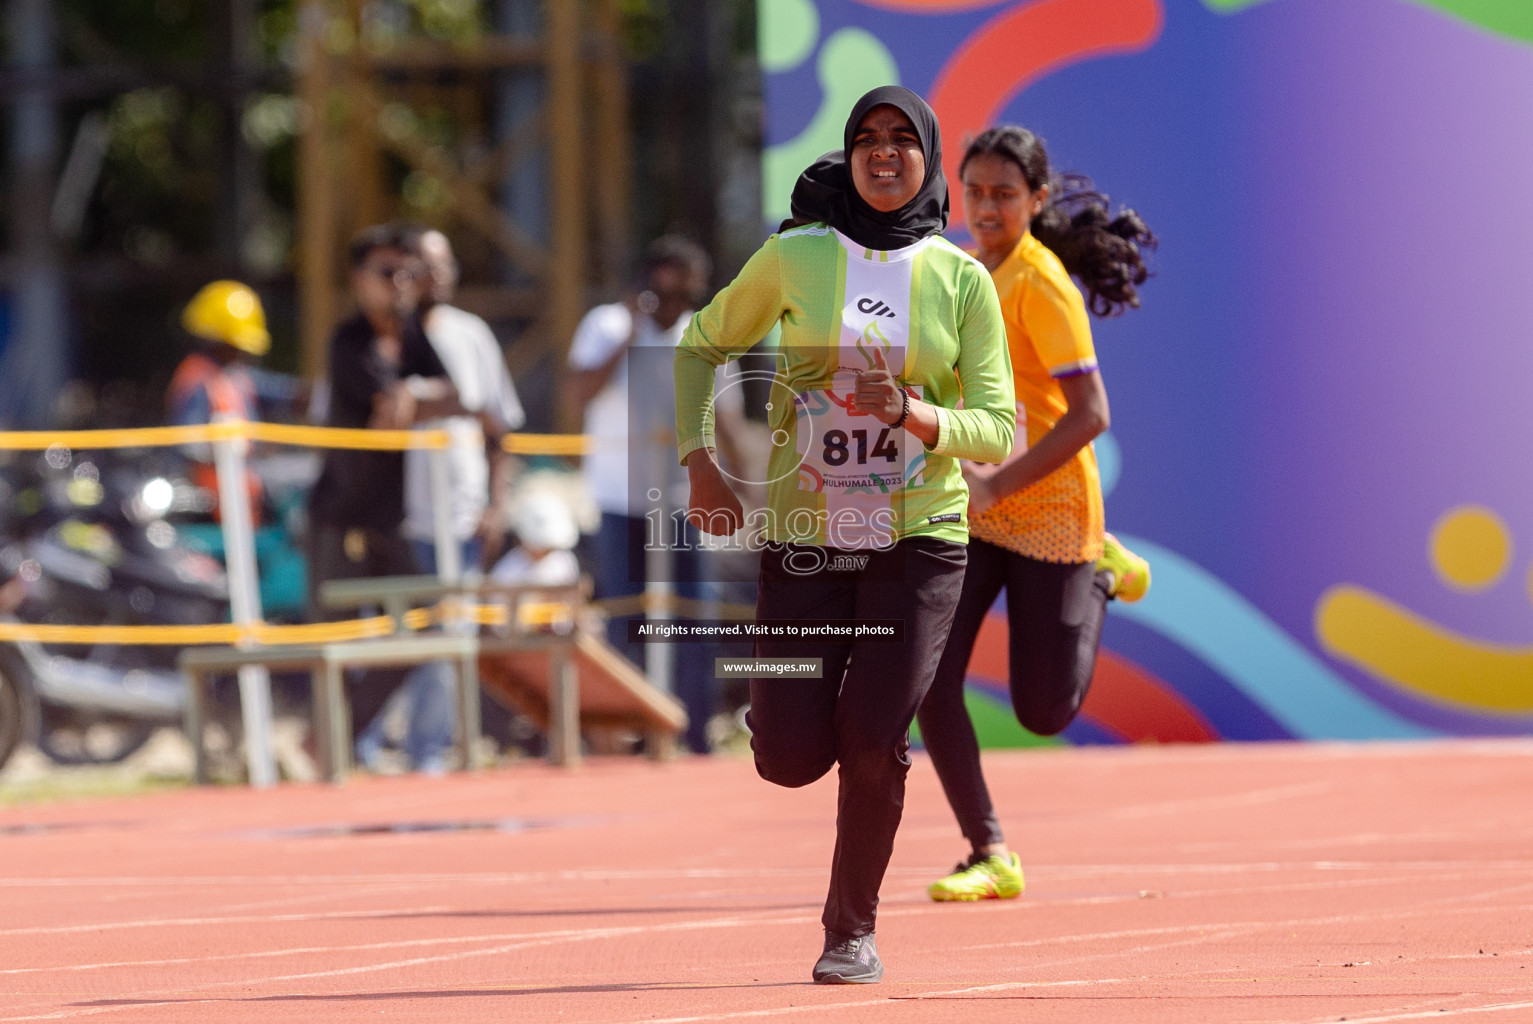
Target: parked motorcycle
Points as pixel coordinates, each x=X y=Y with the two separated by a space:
x=89 y=538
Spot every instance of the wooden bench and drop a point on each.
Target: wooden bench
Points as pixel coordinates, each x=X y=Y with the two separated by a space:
x=583 y=684
x=534 y=661
x=326 y=665
x=593 y=688
x=539 y=623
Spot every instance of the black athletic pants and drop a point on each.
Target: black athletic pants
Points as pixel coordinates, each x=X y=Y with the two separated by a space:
x=1054 y=612
x=858 y=713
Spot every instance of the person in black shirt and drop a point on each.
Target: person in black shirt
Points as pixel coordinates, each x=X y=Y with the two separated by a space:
x=383 y=374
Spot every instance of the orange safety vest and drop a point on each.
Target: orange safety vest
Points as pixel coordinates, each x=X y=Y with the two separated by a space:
x=230 y=396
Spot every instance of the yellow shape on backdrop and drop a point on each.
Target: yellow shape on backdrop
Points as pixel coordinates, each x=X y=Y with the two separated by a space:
x=1419 y=655
x=1470 y=547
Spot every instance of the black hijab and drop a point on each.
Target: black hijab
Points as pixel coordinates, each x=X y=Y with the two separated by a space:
x=825 y=192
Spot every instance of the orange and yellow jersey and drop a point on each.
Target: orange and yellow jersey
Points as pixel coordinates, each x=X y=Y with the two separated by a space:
x=1059 y=518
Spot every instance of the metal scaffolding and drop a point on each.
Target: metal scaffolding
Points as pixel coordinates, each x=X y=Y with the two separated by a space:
x=550 y=88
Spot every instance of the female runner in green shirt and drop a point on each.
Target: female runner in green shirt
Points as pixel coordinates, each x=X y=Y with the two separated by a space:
x=881 y=319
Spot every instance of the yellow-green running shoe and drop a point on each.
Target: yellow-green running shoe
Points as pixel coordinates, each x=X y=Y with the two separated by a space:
x=1131 y=574
x=981 y=878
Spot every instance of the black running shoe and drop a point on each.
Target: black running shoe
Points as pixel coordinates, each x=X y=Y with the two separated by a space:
x=848 y=960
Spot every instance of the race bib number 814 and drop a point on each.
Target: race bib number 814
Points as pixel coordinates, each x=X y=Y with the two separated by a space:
x=860 y=465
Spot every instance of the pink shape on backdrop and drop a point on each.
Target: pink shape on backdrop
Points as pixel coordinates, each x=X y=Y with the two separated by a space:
x=1020 y=46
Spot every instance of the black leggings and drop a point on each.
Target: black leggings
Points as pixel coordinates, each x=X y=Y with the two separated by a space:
x=859 y=712
x=1054 y=612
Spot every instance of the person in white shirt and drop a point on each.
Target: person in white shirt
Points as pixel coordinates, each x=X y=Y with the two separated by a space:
x=621 y=359
x=477 y=467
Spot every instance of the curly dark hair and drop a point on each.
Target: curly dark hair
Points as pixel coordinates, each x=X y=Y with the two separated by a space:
x=1104 y=252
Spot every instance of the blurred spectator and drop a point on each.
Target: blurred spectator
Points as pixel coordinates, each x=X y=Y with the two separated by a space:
x=629 y=412
x=476 y=468
x=384 y=374
x=546 y=535
x=476 y=477
x=214 y=381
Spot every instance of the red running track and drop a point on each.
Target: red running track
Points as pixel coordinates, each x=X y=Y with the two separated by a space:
x=1229 y=883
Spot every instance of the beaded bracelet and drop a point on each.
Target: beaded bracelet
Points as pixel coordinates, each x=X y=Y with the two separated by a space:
x=904 y=409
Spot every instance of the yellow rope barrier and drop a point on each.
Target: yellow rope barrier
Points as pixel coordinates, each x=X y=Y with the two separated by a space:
x=343 y=437
x=322 y=632
x=343 y=630
x=140 y=437
x=279 y=433
x=230 y=633
x=685 y=607
x=213 y=633
x=491 y=615
x=224 y=633
x=269 y=433
x=547 y=444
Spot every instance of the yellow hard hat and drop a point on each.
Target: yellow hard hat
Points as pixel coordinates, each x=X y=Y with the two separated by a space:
x=230 y=312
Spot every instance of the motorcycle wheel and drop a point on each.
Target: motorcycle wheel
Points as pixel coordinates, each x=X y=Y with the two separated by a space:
x=18 y=706
x=71 y=739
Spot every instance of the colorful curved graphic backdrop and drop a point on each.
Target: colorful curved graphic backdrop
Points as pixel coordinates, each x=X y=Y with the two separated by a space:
x=1320 y=416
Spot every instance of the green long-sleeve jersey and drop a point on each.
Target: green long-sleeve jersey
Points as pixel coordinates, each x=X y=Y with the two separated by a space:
x=932 y=310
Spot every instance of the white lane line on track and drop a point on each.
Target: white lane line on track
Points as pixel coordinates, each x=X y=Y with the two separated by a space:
x=1209 y=932
x=572 y=934
x=1224 y=801
x=567 y=934
x=778 y=1011
x=531 y=941
x=1268 y=866
x=1074 y=870
x=541 y=939
x=230 y=908
x=67 y=929
x=892 y=909
x=1350 y=882
x=1504 y=830
x=1212 y=932
x=1215 y=933
x=92 y=1011
x=1438 y=1014
x=1251 y=798
x=1174 y=929
x=424 y=878
x=309 y=897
